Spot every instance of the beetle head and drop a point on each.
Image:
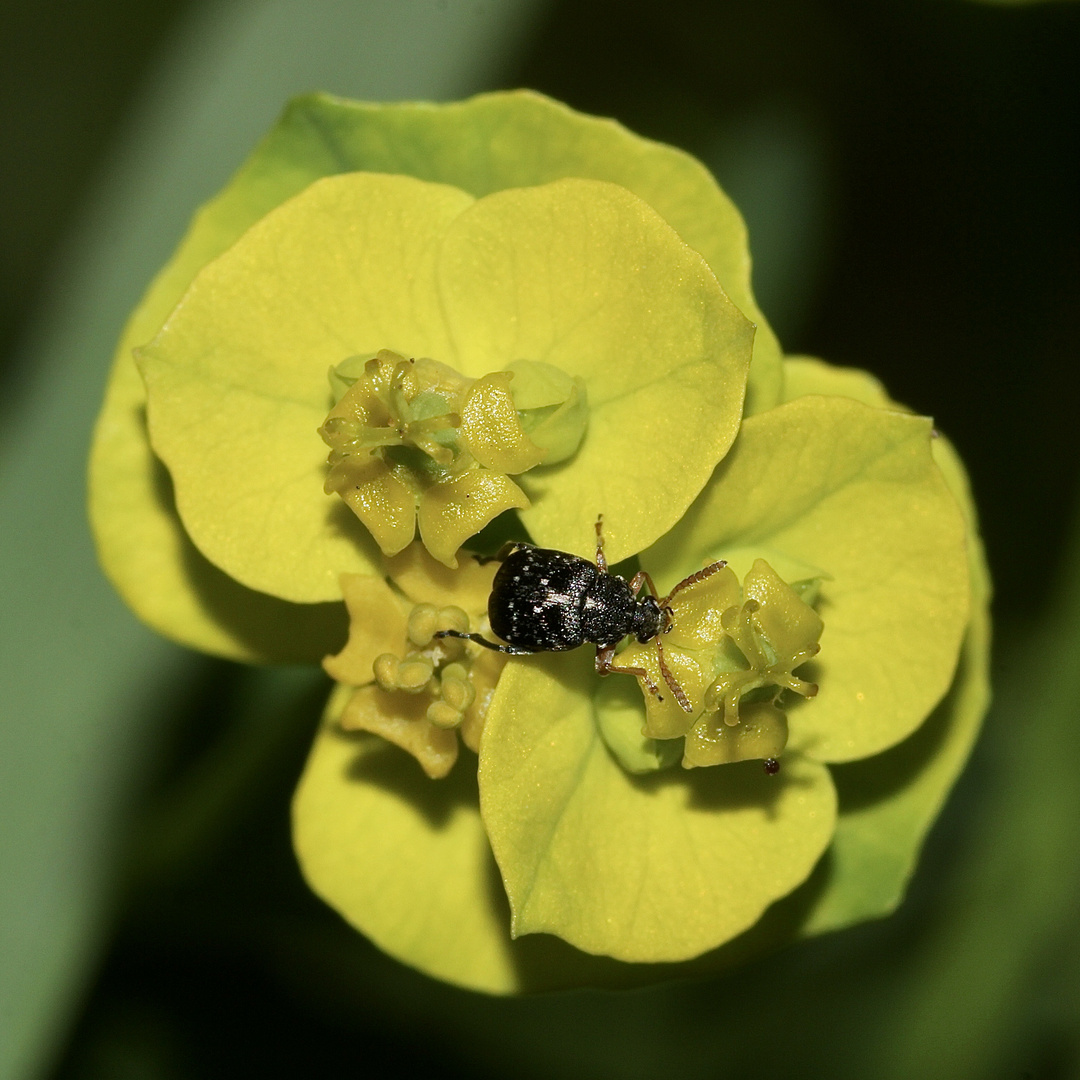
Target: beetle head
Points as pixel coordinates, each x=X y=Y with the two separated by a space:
x=650 y=619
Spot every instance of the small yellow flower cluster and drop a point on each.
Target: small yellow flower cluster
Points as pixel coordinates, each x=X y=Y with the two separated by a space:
x=416 y=444
x=403 y=683
x=733 y=649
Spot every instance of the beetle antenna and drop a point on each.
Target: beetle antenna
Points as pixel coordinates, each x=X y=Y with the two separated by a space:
x=601 y=562
x=693 y=579
x=676 y=689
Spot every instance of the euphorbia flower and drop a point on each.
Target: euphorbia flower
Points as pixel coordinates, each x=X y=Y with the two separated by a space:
x=731 y=652
x=464 y=244
x=577 y=275
x=416 y=445
x=395 y=678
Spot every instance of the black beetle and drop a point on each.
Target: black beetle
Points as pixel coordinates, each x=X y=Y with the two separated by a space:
x=550 y=601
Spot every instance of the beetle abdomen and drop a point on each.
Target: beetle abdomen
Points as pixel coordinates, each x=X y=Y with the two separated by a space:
x=537 y=599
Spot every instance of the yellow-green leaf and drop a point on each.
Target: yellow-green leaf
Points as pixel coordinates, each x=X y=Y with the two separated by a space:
x=642 y=868
x=854 y=491
x=888 y=803
x=236 y=379
x=162 y=575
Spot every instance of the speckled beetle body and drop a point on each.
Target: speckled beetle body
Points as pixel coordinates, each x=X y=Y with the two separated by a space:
x=544 y=600
x=548 y=601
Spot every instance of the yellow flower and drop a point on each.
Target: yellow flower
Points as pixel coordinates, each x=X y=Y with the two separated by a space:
x=399 y=460
x=395 y=678
x=732 y=651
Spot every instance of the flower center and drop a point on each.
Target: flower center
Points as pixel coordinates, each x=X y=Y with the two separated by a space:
x=392 y=402
x=423 y=415
x=440 y=667
x=416 y=444
x=765 y=670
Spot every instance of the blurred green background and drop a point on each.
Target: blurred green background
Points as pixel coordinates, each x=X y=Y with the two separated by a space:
x=910 y=173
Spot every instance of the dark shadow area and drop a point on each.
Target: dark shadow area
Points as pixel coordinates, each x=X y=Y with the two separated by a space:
x=952 y=134
x=729 y=787
x=68 y=74
x=201 y=979
x=399 y=774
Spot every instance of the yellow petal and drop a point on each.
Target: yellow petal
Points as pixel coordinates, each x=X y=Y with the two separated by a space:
x=360 y=403
x=789 y=625
x=760 y=733
x=382 y=501
x=697 y=609
x=425 y=581
x=665 y=718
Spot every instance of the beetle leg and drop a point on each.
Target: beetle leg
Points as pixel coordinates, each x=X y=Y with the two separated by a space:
x=601 y=562
x=604 y=666
x=492 y=645
x=500 y=556
x=640 y=577
x=693 y=579
x=676 y=689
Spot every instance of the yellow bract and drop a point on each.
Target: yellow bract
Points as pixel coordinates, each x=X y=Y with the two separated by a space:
x=824 y=487
x=449 y=513
x=641 y=868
